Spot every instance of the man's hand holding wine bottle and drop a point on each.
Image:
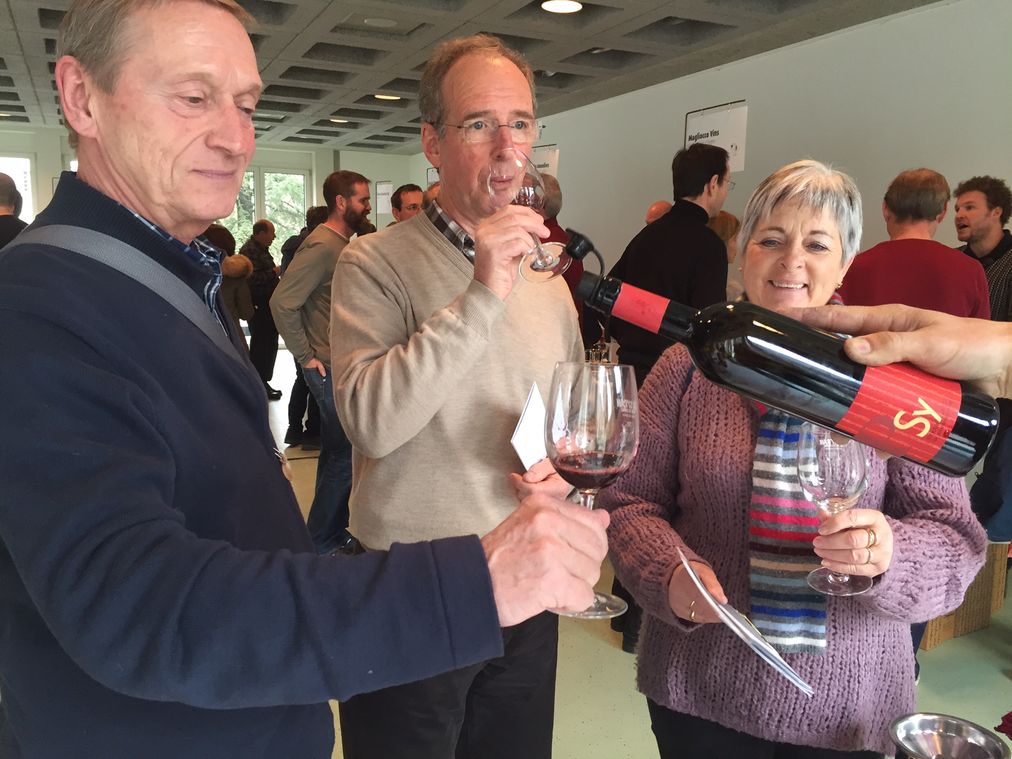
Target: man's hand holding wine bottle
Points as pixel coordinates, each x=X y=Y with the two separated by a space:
x=965 y=349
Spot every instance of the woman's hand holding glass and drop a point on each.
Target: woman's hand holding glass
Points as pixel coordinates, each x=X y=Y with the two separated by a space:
x=856 y=542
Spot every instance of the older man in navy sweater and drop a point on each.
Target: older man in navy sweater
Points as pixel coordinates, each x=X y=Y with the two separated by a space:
x=159 y=594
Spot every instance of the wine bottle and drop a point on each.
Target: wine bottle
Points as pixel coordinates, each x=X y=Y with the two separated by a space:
x=804 y=371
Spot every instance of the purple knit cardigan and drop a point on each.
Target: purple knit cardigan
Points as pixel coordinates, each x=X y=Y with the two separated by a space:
x=690 y=486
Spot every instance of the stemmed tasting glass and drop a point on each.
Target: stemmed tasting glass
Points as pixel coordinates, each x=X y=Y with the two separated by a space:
x=513 y=178
x=591 y=432
x=833 y=476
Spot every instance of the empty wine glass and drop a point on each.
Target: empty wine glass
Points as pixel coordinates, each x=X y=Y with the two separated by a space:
x=514 y=179
x=833 y=476
x=591 y=432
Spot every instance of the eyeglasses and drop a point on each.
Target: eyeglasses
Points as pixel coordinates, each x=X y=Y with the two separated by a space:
x=522 y=131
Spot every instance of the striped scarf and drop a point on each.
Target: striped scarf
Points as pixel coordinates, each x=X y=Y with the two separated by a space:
x=782 y=525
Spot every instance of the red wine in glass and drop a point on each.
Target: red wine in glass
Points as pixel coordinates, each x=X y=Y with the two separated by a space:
x=591 y=471
x=512 y=178
x=591 y=433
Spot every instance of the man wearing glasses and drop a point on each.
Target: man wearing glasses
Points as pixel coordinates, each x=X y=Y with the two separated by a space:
x=436 y=341
x=405 y=203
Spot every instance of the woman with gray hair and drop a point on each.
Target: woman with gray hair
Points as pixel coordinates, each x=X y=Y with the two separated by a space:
x=716 y=476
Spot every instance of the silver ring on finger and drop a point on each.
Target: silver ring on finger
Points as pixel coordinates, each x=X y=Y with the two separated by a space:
x=868 y=560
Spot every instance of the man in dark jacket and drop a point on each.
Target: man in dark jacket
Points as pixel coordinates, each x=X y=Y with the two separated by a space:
x=158 y=598
x=680 y=257
x=263 y=333
x=677 y=256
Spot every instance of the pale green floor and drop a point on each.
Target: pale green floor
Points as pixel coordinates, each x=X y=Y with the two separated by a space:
x=599 y=714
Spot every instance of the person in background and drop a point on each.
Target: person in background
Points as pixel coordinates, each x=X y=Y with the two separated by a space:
x=405 y=202
x=158 y=588
x=716 y=476
x=435 y=343
x=263 y=334
x=301 y=307
x=10 y=224
x=301 y=404
x=910 y=267
x=431 y=193
x=726 y=225
x=680 y=257
x=235 y=271
x=983 y=205
x=656 y=210
x=315 y=216
x=550 y=212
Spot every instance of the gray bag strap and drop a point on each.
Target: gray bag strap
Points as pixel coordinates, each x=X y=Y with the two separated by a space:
x=127 y=260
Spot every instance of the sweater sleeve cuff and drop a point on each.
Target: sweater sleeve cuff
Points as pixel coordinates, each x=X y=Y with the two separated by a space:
x=471 y=615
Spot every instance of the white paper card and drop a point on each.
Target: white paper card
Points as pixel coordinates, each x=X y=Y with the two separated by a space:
x=529 y=436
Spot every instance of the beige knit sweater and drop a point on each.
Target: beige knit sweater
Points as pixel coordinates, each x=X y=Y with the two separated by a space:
x=431 y=371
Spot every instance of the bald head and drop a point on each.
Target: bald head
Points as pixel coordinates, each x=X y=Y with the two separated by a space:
x=657 y=210
x=8 y=195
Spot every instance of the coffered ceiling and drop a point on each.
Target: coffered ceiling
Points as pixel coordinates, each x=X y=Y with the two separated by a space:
x=323 y=60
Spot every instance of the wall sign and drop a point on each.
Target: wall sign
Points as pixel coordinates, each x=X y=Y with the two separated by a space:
x=721 y=125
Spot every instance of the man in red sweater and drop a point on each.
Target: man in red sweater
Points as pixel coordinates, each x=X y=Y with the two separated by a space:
x=911 y=268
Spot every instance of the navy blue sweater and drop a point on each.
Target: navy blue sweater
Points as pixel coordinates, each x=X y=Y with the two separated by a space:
x=159 y=594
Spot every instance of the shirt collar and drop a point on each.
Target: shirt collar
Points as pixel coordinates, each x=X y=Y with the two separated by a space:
x=451 y=230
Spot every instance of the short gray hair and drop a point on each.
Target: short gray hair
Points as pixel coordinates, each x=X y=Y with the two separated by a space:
x=816 y=186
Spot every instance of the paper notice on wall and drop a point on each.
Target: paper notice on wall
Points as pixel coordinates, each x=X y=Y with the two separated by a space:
x=431 y=176
x=723 y=126
x=383 y=192
x=546 y=159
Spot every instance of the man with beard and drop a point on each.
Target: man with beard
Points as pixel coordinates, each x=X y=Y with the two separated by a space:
x=301 y=308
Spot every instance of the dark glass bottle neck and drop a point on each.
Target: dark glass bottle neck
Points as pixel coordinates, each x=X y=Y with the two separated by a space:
x=679 y=320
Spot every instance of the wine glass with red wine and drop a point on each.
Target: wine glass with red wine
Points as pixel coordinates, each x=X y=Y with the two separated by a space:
x=513 y=178
x=591 y=432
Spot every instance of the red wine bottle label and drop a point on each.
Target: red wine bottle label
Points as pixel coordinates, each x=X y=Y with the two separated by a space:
x=639 y=307
x=903 y=411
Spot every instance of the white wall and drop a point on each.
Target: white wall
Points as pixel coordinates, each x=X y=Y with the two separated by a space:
x=924 y=88
x=46 y=148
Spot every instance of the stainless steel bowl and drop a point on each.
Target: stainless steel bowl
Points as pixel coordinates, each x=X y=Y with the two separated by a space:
x=939 y=736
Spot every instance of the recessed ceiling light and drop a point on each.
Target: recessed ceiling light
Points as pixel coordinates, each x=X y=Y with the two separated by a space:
x=340 y=121
x=561 y=6
x=4 y=115
x=387 y=97
x=380 y=23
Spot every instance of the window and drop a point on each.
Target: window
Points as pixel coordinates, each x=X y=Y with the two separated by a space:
x=240 y=221
x=276 y=195
x=19 y=169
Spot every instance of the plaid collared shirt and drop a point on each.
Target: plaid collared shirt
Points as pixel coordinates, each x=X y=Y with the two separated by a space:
x=203 y=253
x=451 y=230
